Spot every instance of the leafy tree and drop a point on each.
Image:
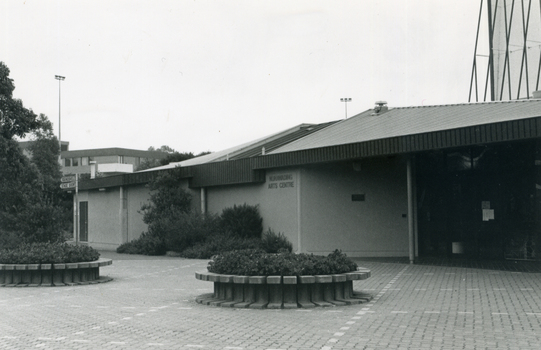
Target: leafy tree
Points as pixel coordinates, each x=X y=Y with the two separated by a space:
x=167 y=198
x=177 y=157
x=44 y=151
x=164 y=149
x=29 y=205
x=172 y=157
x=15 y=119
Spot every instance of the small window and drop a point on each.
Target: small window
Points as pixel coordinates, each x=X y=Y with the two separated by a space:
x=75 y=161
x=84 y=161
x=67 y=162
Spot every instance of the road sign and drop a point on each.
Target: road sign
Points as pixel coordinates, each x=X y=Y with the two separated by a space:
x=67 y=185
x=70 y=178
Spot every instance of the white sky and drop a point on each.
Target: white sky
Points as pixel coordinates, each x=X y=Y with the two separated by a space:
x=207 y=75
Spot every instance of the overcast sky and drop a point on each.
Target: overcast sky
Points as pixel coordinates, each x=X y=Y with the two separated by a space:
x=207 y=75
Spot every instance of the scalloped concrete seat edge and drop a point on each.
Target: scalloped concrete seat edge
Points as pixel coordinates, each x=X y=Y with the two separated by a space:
x=283 y=292
x=58 y=274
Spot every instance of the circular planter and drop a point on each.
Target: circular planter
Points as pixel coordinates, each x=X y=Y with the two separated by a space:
x=68 y=274
x=288 y=292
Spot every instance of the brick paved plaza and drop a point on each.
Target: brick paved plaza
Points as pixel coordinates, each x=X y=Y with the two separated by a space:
x=151 y=304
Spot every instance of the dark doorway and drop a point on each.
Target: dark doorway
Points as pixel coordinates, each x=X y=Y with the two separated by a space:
x=479 y=202
x=83 y=221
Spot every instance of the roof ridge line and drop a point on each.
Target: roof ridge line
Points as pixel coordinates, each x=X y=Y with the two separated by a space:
x=470 y=103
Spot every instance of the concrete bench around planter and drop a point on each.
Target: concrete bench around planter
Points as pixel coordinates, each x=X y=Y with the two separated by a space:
x=288 y=292
x=34 y=275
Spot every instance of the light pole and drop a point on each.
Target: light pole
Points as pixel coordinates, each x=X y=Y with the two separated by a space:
x=346 y=100
x=59 y=78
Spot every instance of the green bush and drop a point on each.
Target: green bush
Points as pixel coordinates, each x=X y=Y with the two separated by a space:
x=255 y=262
x=275 y=243
x=48 y=253
x=217 y=244
x=10 y=239
x=242 y=220
x=186 y=230
x=167 y=198
x=147 y=244
x=43 y=223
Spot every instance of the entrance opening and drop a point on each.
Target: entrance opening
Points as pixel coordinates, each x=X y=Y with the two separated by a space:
x=83 y=221
x=480 y=201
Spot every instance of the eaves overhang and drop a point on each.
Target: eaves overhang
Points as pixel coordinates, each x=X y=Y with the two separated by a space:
x=252 y=170
x=127 y=179
x=513 y=130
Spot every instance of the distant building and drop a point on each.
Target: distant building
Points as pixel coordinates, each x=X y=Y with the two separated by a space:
x=24 y=145
x=108 y=161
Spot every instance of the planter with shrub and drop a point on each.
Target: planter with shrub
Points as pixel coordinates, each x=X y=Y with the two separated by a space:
x=50 y=264
x=256 y=279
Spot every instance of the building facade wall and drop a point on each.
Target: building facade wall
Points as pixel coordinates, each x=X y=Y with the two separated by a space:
x=104 y=222
x=114 y=217
x=319 y=208
x=277 y=199
x=136 y=196
x=362 y=212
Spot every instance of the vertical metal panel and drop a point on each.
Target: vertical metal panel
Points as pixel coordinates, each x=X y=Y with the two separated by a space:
x=521 y=130
x=527 y=129
x=489 y=132
x=516 y=130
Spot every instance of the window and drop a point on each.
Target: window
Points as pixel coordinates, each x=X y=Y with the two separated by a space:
x=75 y=161
x=67 y=162
x=84 y=161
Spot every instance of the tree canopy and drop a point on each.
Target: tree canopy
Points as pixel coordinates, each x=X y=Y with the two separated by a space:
x=172 y=157
x=32 y=208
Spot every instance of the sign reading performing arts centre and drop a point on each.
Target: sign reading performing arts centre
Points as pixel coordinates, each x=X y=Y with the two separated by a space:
x=281 y=181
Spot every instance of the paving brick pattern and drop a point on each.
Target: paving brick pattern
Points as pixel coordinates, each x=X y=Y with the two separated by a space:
x=151 y=304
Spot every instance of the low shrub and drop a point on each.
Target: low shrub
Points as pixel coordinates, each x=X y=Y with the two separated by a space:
x=10 y=239
x=242 y=220
x=255 y=262
x=42 y=223
x=275 y=243
x=147 y=244
x=48 y=253
x=186 y=230
x=219 y=243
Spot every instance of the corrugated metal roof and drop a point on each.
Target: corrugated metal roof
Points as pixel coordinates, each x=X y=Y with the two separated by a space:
x=250 y=149
x=404 y=121
x=272 y=144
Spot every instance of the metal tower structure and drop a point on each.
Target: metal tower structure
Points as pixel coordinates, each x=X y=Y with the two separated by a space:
x=507 y=57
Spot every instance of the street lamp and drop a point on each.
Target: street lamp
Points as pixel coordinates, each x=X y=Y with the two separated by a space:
x=346 y=100
x=59 y=78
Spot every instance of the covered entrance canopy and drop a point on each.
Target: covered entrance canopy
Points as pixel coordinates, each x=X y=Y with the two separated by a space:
x=473 y=169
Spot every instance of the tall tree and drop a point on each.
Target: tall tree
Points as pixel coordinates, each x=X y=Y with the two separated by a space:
x=28 y=210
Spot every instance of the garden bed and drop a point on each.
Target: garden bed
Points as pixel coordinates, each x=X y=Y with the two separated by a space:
x=276 y=292
x=35 y=275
